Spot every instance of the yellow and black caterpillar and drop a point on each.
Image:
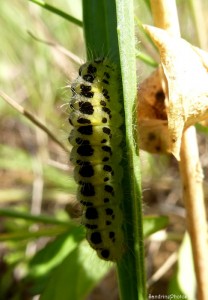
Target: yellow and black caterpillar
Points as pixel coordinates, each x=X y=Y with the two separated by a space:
x=96 y=153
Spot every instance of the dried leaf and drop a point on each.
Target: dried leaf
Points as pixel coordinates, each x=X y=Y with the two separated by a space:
x=186 y=76
x=153 y=136
x=152 y=126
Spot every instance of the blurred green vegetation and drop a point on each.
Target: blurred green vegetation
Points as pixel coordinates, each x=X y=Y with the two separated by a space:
x=35 y=180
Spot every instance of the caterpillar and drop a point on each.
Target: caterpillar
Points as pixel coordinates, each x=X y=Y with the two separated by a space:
x=95 y=114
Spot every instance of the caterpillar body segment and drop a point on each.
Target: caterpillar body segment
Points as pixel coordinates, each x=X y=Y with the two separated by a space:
x=96 y=137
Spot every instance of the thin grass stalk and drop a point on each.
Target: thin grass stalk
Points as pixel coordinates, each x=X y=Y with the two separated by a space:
x=193 y=195
x=57 y=11
x=32 y=118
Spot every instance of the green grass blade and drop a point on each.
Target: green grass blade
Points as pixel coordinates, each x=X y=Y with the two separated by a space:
x=57 y=11
x=140 y=26
x=132 y=283
x=148 y=4
x=11 y=213
x=28 y=235
x=152 y=224
x=146 y=59
x=100 y=28
x=100 y=25
x=61 y=286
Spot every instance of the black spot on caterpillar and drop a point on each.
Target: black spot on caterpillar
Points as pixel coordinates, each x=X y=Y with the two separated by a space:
x=96 y=153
